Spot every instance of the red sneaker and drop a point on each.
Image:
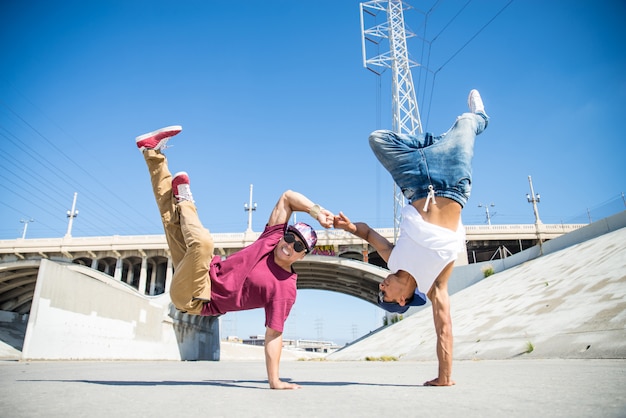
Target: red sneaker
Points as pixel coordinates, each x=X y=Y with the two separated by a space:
x=157 y=139
x=180 y=187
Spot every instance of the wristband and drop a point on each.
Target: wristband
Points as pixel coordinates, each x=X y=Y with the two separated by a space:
x=315 y=211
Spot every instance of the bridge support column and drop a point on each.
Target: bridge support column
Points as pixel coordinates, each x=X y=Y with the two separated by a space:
x=130 y=273
x=168 y=274
x=198 y=336
x=119 y=266
x=153 y=279
x=143 y=275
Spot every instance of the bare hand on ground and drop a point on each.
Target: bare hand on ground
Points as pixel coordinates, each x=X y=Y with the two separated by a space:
x=435 y=382
x=284 y=385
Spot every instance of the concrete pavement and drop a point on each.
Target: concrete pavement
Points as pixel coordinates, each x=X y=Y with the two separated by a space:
x=490 y=388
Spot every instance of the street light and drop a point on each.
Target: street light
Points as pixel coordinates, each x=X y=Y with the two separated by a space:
x=534 y=199
x=480 y=205
x=249 y=208
x=71 y=214
x=25 y=222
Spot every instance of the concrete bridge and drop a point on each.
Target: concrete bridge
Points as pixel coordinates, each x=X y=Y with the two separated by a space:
x=144 y=263
x=107 y=297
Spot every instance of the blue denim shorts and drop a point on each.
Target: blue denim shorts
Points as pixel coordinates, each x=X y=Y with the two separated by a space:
x=418 y=161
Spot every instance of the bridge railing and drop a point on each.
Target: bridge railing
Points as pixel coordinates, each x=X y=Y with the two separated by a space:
x=240 y=240
x=512 y=232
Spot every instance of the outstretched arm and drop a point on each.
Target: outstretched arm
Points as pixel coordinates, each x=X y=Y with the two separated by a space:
x=273 y=350
x=363 y=231
x=440 y=299
x=291 y=201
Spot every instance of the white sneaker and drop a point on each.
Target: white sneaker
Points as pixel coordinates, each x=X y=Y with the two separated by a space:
x=475 y=103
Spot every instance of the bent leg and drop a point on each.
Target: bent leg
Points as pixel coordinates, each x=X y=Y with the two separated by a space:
x=161 y=179
x=416 y=162
x=191 y=284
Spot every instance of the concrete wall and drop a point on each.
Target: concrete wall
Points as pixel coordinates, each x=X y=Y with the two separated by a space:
x=82 y=314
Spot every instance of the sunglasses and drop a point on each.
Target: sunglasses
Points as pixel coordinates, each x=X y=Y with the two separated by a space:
x=298 y=246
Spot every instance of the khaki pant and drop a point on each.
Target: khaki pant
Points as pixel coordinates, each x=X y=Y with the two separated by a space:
x=191 y=245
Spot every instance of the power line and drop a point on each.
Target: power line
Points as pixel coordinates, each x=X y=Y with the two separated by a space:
x=20 y=212
x=60 y=174
x=446 y=62
x=474 y=36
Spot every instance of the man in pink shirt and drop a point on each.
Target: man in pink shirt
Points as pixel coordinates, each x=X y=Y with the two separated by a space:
x=258 y=276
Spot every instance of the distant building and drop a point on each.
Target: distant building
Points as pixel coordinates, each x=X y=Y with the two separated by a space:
x=314 y=346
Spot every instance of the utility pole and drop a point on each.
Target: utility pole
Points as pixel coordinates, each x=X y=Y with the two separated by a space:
x=71 y=214
x=534 y=199
x=480 y=205
x=249 y=207
x=25 y=222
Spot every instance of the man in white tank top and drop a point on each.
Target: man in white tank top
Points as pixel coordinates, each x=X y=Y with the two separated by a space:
x=435 y=175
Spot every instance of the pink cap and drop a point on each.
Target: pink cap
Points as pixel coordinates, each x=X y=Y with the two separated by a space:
x=306 y=234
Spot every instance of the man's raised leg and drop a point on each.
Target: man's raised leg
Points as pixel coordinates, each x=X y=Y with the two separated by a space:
x=151 y=145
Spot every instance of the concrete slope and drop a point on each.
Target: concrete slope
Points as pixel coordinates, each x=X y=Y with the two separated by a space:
x=82 y=314
x=79 y=313
x=568 y=304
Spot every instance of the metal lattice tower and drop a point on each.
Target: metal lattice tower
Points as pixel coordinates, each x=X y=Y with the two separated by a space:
x=406 y=117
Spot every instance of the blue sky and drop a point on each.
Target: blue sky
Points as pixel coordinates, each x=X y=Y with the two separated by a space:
x=274 y=94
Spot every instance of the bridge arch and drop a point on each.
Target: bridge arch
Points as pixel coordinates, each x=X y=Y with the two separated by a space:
x=317 y=272
x=131 y=270
x=156 y=275
x=83 y=261
x=106 y=265
x=18 y=280
x=340 y=274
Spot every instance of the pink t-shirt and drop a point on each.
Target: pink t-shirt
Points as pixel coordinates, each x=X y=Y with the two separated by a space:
x=251 y=279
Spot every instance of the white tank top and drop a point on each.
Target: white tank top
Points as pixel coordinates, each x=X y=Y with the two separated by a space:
x=424 y=249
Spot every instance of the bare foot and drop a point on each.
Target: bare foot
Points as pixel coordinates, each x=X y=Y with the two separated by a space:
x=436 y=382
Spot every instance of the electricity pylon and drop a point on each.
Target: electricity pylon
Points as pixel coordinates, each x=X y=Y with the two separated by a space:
x=405 y=111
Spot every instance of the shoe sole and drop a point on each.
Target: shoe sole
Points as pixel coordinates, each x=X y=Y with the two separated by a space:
x=160 y=134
